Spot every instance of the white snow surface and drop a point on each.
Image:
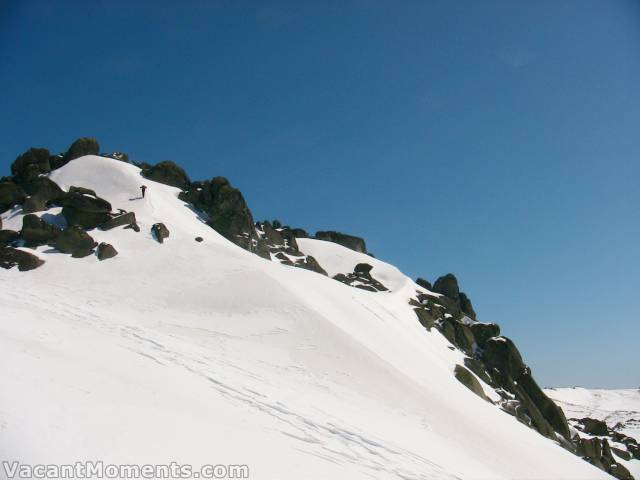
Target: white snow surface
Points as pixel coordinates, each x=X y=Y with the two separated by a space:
x=204 y=353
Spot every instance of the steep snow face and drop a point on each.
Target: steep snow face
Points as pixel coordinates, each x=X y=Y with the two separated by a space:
x=205 y=353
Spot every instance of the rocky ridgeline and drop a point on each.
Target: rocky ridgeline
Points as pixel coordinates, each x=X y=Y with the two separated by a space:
x=489 y=357
x=496 y=361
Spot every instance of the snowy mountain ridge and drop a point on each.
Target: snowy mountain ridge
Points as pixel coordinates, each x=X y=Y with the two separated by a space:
x=198 y=342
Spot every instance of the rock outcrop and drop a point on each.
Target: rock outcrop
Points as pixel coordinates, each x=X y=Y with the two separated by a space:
x=349 y=241
x=85 y=210
x=447 y=285
x=11 y=194
x=11 y=257
x=122 y=220
x=81 y=147
x=105 y=251
x=169 y=173
x=469 y=380
x=36 y=232
x=361 y=278
x=75 y=241
x=28 y=166
x=226 y=210
x=159 y=232
x=8 y=237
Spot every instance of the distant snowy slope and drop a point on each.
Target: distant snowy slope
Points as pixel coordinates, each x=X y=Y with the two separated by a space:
x=206 y=353
x=613 y=406
x=619 y=409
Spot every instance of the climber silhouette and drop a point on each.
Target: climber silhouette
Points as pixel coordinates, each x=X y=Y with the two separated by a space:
x=143 y=188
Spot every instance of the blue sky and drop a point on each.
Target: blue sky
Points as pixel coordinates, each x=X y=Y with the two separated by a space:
x=498 y=140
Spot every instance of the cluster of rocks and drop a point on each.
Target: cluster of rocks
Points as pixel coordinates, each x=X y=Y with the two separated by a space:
x=223 y=206
x=496 y=361
x=278 y=242
x=600 y=445
x=361 y=278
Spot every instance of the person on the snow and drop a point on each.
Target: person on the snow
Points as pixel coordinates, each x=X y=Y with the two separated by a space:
x=143 y=188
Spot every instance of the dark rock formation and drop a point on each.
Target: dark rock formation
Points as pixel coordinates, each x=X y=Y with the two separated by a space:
x=10 y=194
x=466 y=306
x=10 y=257
x=425 y=318
x=226 y=209
x=8 y=237
x=82 y=191
x=477 y=367
x=424 y=283
x=36 y=232
x=349 y=241
x=551 y=412
x=169 y=173
x=128 y=218
x=75 y=241
x=81 y=147
x=85 y=210
x=593 y=426
x=310 y=263
x=447 y=285
x=467 y=378
x=299 y=233
x=502 y=354
x=484 y=331
x=362 y=269
x=33 y=204
x=199 y=239
x=361 y=278
x=44 y=188
x=105 y=251
x=28 y=166
x=458 y=333
x=598 y=452
x=160 y=232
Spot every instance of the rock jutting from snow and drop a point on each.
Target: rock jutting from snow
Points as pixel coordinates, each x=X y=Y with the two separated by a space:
x=28 y=166
x=169 y=173
x=81 y=147
x=226 y=210
x=25 y=261
x=447 y=285
x=159 y=232
x=10 y=194
x=424 y=283
x=350 y=241
x=125 y=219
x=36 y=232
x=85 y=210
x=75 y=241
x=105 y=251
x=469 y=380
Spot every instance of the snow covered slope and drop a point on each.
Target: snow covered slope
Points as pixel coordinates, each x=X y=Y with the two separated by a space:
x=205 y=353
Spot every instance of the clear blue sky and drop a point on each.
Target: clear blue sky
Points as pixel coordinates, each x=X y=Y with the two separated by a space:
x=498 y=140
